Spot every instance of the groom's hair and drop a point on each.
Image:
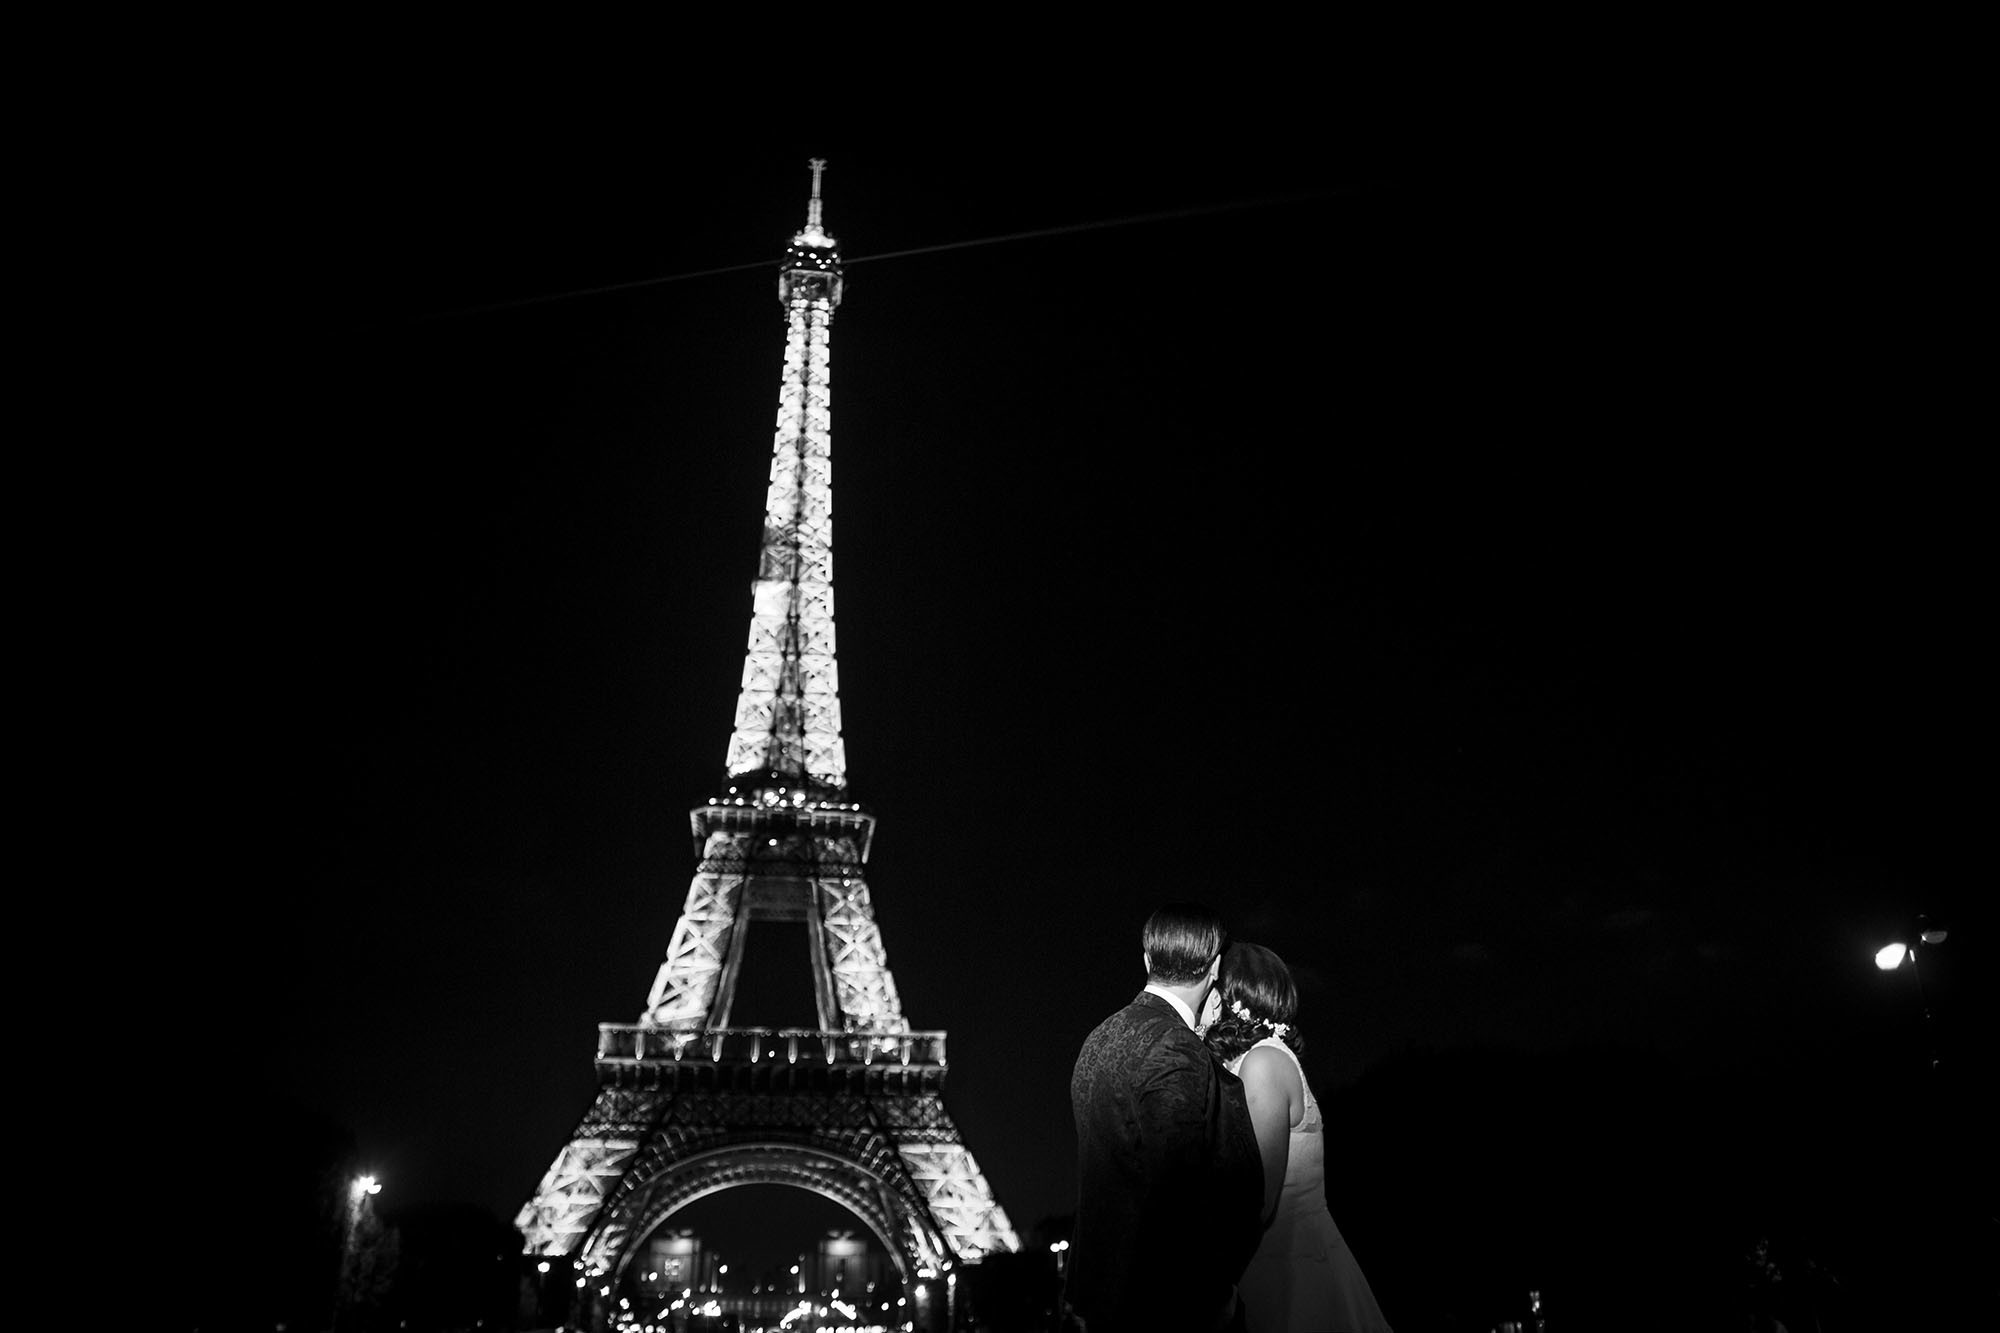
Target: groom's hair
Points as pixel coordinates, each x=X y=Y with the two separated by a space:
x=1181 y=940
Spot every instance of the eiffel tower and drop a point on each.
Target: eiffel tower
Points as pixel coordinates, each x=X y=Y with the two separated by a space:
x=853 y=1109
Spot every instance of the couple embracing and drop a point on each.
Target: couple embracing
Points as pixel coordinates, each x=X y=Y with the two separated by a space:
x=1201 y=1201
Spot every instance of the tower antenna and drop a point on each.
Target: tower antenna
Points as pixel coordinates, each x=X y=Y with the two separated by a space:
x=818 y=166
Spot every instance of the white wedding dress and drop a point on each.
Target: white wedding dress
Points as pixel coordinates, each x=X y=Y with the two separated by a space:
x=1303 y=1278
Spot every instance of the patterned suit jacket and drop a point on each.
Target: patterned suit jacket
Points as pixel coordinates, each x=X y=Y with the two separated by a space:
x=1169 y=1182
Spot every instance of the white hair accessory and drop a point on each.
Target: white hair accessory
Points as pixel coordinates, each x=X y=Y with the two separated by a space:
x=1242 y=1011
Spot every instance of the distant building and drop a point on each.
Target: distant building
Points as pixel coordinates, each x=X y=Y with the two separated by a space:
x=674 y=1262
x=853 y=1267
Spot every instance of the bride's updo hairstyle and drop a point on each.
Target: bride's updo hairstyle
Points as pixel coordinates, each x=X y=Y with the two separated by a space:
x=1258 y=1001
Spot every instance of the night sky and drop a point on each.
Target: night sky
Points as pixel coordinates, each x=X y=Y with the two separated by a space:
x=1524 y=567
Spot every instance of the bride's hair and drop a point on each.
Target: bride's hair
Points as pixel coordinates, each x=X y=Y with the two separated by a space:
x=1257 y=981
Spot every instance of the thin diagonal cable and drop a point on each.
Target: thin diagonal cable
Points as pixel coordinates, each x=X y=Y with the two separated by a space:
x=1167 y=215
x=1067 y=229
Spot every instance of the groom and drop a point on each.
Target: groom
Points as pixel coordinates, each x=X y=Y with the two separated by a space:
x=1170 y=1185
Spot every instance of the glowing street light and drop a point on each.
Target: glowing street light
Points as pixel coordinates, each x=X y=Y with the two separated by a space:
x=1893 y=955
x=359 y=1230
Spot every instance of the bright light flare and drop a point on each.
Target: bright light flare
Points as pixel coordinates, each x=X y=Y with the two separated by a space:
x=1890 y=956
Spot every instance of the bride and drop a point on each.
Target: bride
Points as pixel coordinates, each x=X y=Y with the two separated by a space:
x=1303 y=1278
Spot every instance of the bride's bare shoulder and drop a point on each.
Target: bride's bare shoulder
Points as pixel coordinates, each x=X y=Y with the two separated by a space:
x=1270 y=1066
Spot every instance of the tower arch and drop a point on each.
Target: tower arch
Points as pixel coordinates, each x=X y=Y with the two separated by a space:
x=899 y=1224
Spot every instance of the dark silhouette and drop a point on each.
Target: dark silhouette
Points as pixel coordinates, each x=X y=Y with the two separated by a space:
x=1165 y=1150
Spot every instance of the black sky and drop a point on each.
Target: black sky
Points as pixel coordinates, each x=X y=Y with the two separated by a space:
x=1524 y=564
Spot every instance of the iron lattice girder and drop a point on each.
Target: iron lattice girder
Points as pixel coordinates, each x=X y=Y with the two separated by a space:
x=788 y=709
x=776 y=856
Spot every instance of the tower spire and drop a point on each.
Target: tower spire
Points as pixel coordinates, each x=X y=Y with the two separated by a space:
x=787 y=728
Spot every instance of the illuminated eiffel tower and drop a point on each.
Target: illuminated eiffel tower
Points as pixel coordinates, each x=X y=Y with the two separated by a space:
x=853 y=1109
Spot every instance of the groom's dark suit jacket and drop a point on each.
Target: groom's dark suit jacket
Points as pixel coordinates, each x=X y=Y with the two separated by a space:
x=1170 y=1186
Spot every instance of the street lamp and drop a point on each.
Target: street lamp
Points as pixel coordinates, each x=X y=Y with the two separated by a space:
x=1893 y=955
x=359 y=1191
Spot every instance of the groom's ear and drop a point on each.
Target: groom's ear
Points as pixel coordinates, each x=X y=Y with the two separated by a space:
x=1146 y=959
x=1214 y=969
